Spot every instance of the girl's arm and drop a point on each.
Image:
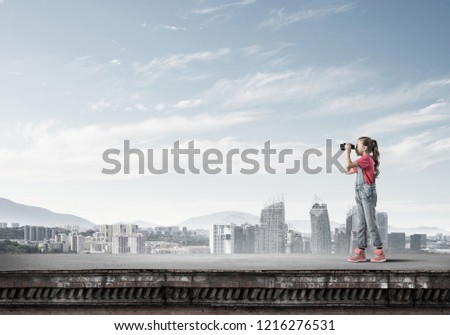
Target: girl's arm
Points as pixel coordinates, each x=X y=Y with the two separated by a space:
x=349 y=165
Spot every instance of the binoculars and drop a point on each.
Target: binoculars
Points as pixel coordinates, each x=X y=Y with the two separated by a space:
x=343 y=146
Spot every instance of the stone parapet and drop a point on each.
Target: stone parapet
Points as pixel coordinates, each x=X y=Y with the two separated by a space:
x=224 y=289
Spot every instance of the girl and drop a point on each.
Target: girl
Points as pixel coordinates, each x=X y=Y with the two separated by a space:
x=366 y=169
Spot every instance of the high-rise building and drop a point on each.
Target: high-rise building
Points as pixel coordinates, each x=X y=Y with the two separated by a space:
x=341 y=240
x=221 y=240
x=272 y=231
x=136 y=243
x=382 y=224
x=15 y=225
x=320 y=229
x=131 y=229
x=418 y=242
x=249 y=239
x=294 y=242
x=352 y=225
x=120 y=244
x=397 y=242
x=81 y=243
x=238 y=240
x=34 y=233
x=107 y=231
x=76 y=243
x=119 y=228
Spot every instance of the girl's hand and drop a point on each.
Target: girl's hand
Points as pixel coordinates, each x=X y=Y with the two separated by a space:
x=348 y=147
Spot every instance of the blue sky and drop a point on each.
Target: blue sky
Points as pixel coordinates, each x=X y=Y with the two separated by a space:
x=77 y=78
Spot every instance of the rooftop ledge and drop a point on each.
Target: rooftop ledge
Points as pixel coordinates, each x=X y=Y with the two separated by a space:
x=301 y=283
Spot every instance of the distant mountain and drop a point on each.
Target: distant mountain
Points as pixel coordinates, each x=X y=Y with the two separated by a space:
x=206 y=221
x=11 y=211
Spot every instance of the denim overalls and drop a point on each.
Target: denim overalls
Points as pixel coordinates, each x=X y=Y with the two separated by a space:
x=366 y=200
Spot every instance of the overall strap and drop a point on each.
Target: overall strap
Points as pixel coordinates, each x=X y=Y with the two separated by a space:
x=359 y=176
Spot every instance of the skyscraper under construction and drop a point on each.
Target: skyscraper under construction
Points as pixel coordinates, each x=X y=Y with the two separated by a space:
x=320 y=229
x=273 y=229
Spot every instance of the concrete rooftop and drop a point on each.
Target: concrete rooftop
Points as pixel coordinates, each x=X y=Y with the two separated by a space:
x=240 y=262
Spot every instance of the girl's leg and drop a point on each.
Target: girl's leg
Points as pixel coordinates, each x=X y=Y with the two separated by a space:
x=368 y=203
x=361 y=226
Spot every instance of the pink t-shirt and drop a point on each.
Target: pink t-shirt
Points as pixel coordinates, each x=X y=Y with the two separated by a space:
x=367 y=164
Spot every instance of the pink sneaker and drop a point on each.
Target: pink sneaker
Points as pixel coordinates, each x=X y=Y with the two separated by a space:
x=379 y=256
x=360 y=256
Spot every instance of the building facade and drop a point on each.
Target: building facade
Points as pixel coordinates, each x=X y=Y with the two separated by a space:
x=383 y=228
x=272 y=230
x=320 y=229
x=222 y=238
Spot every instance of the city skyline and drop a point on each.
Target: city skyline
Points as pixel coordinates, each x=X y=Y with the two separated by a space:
x=270 y=236
x=78 y=78
x=225 y=217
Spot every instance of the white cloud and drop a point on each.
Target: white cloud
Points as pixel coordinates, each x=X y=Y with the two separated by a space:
x=115 y=62
x=432 y=114
x=174 y=28
x=158 y=66
x=87 y=65
x=252 y=50
x=419 y=151
x=305 y=85
x=184 y=104
x=194 y=77
x=280 y=18
x=160 y=107
x=339 y=102
x=212 y=10
x=138 y=106
x=101 y=105
x=59 y=153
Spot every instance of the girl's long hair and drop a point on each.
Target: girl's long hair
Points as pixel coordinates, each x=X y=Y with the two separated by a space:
x=372 y=146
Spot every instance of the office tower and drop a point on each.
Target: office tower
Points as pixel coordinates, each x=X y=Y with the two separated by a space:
x=397 y=242
x=80 y=243
x=29 y=233
x=382 y=224
x=418 y=242
x=120 y=244
x=107 y=231
x=249 y=237
x=40 y=233
x=349 y=230
x=238 y=240
x=136 y=243
x=320 y=229
x=294 y=242
x=221 y=239
x=119 y=228
x=131 y=229
x=76 y=243
x=15 y=225
x=26 y=233
x=273 y=229
x=341 y=240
